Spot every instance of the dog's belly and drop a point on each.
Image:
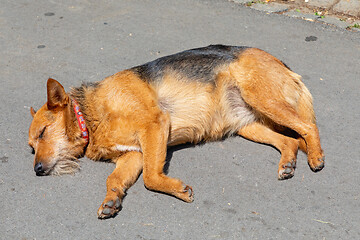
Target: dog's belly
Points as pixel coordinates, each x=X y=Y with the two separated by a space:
x=203 y=112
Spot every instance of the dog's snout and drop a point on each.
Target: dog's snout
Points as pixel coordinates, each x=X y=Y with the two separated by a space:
x=38 y=168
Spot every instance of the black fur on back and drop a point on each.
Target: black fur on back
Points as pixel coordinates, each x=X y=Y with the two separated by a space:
x=197 y=64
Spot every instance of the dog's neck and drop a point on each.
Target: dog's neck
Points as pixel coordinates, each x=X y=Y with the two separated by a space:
x=92 y=112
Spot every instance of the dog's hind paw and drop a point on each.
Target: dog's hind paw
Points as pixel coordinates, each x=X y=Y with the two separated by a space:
x=287 y=171
x=318 y=164
x=109 y=208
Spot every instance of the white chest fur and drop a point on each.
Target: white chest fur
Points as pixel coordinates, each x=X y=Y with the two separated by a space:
x=125 y=148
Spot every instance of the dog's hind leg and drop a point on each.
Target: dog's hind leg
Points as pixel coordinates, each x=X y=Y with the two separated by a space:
x=274 y=91
x=283 y=114
x=128 y=168
x=288 y=146
x=153 y=141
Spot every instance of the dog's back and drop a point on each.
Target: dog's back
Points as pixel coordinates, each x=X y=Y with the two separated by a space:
x=199 y=64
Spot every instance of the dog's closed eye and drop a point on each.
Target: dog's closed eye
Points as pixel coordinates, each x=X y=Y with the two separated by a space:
x=42 y=133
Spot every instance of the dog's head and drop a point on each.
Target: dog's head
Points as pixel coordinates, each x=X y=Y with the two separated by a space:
x=54 y=135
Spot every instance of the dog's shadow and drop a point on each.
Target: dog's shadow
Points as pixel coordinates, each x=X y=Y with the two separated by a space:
x=170 y=152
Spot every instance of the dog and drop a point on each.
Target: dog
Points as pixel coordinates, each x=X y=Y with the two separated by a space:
x=198 y=95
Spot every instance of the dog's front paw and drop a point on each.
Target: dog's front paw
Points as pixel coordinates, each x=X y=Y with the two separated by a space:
x=187 y=194
x=287 y=170
x=109 y=208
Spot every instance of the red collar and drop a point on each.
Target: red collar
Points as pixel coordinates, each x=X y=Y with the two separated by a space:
x=81 y=120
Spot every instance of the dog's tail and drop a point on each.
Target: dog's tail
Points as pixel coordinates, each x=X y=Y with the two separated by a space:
x=305 y=108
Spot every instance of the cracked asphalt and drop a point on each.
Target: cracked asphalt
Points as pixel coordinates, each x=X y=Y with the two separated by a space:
x=237 y=194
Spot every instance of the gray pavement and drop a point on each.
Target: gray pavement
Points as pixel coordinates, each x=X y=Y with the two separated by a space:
x=237 y=194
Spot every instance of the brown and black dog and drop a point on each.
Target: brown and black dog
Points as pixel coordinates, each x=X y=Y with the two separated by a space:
x=197 y=95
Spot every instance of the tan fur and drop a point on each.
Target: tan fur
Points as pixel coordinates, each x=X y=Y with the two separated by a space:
x=131 y=121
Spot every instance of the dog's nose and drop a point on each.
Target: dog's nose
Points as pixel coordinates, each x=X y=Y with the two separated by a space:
x=39 y=168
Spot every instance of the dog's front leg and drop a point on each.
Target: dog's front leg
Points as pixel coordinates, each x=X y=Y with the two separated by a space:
x=153 y=142
x=128 y=168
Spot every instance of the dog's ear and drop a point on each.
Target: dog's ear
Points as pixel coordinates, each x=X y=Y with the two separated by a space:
x=56 y=96
x=32 y=111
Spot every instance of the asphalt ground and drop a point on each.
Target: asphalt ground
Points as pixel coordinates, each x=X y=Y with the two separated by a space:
x=237 y=194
